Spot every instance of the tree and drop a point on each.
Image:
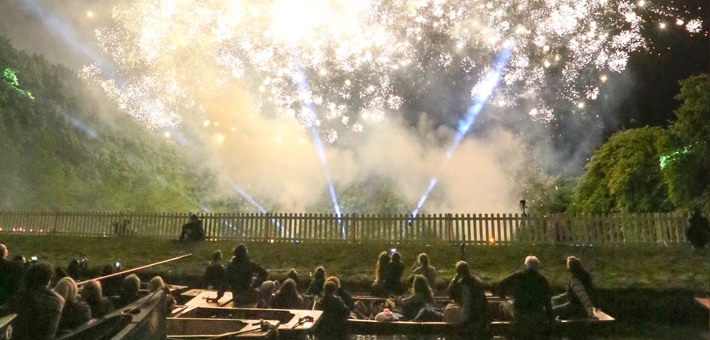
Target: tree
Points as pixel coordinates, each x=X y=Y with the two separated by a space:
x=624 y=175
x=686 y=165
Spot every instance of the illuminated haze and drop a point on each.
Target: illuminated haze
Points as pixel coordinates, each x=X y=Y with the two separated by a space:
x=238 y=63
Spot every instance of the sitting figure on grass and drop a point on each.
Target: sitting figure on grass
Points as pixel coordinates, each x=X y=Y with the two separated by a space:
x=422 y=267
x=381 y=268
x=316 y=286
x=576 y=302
x=192 y=231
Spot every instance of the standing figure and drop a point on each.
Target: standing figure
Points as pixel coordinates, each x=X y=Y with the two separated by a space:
x=239 y=276
x=467 y=291
x=531 y=310
x=192 y=231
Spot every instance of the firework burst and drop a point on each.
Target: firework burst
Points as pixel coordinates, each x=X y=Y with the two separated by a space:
x=175 y=54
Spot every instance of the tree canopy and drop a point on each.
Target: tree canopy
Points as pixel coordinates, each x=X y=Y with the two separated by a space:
x=62 y=148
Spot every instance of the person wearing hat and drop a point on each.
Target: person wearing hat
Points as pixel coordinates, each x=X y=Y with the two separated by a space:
x=531 y=308
x=576 y=302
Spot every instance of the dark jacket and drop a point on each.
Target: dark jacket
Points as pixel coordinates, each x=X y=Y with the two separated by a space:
x=238 y=276
x=332 y=324
x=283 y=301
x=38 y=313
x=530 y=290
x=74 y=314
x=315 y=288
x=346 y=297
x=393 y=276
x=469 y=293
x=101 y=307
x=10 y=279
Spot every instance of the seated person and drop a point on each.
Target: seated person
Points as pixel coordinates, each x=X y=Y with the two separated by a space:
x=265 y=293
x=531 y=309
x=383 y=261
x=316 y=286
x=93 y=295
x=393 y=274
x=38 y=308
x=293 y=275
x=156 y=284
x=192 y=231
x=422 y=267
x=130 y=288
x=421 y=297
x=10 y=276
x=75 y=312
x=215 y=271
x=332 y=324
x=467 y=291
x=288 y=297
x=575 y=303
x=239 y=276
x=342 y=293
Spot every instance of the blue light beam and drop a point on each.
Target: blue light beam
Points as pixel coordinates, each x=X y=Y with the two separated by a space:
x=303 y=86
x=486 y=87
x=258 y=206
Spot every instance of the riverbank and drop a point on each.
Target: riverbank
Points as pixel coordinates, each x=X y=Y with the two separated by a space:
x=628 y=266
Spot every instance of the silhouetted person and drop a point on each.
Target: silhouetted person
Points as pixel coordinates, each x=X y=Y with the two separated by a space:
x=75 y=312
x=576 y=303
x=697 y=230
x=422 y=296
x=378 y=286
x=332 y=324
x=77 y=268
x=111 y=286
x=287 y=297
x=422 y=267
x=342 y=293
x=130 y=287
x=239 y=276
x=157 y=283
x=215 y=271
x=531 y=309
x=468 y=292
x=38 y=308
x=10 y=276
x=293 y=275
x=316 y=286
x=192 y=231
x=93 y=295
x=393 y=274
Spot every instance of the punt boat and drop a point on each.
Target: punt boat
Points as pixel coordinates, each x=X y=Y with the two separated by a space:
x=205 y=317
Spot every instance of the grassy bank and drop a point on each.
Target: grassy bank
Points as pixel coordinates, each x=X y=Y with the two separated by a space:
x=613 y=267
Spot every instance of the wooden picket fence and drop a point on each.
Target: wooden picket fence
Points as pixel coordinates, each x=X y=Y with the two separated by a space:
x=660 y=228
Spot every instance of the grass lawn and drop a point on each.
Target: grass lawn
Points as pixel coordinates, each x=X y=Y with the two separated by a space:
x=613 y=267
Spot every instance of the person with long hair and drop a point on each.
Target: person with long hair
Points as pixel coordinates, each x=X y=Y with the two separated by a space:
x=383 y=262
x=332 y=324
x=421 y=297
x=423 y=267
x=576 y=302
x=467 y=291
x=288 y=297
x=316 y=286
